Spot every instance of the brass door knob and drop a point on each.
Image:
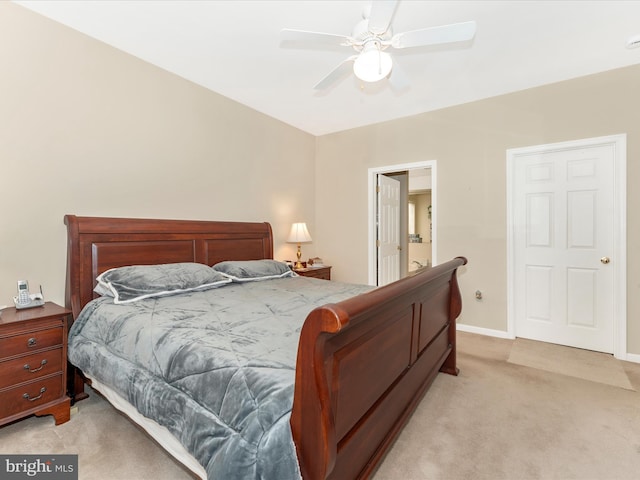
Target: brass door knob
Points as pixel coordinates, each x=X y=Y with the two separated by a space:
x=605 y=260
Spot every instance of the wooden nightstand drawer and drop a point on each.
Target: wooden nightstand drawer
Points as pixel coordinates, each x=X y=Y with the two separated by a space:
x=30 y=367
x=30 y=395
x=29 y=342
x=323 y=273
x=33 y=363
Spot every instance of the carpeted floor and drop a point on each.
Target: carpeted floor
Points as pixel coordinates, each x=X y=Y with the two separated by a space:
x=502 y=421
x=497 y=420
x=574 y=362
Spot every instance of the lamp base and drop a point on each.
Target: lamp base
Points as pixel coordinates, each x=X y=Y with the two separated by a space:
x=298 y=265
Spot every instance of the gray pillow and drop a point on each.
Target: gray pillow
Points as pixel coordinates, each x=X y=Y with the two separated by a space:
x=253 y=270
x=136 y=282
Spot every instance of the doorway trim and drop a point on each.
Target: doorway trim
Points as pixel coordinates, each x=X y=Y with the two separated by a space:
x=372 y=208
x=619 y=231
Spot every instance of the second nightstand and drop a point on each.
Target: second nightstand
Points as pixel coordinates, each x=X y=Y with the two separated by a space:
x=323 y=272
x=33 y=363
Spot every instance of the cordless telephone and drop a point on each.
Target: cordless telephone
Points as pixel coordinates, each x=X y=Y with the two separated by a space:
x=26 y=300
x=23 y=292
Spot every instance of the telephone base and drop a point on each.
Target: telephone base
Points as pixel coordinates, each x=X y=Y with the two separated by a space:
x=36 y=301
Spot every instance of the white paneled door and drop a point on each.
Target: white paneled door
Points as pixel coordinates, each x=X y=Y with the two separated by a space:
x=563 y=245
x=388 y=242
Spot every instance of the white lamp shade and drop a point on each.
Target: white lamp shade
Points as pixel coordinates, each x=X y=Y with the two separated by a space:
x=299 y=233
x=372 y=64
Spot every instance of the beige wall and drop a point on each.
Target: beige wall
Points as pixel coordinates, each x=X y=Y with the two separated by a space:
x=469 y=143
x=89 y=130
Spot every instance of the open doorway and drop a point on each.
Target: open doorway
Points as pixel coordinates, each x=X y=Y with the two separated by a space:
x=420 y=227
x=404 y=239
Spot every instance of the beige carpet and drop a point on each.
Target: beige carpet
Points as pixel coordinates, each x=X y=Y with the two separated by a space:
x=502 y=421
x=108 y=445
x=574 y=362
x=495 y=421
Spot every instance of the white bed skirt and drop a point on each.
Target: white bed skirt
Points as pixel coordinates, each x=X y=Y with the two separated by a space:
x=159 y=433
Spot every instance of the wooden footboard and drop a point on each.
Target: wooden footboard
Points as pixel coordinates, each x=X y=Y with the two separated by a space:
x=363 y=366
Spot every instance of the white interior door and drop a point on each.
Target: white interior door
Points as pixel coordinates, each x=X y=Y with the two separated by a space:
x=564 y=245
x=388 y=243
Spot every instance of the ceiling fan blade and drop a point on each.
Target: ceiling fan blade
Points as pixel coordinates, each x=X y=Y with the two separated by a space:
x=291 y=35
x=456 y=32
x=381 y=15
x=342 y=70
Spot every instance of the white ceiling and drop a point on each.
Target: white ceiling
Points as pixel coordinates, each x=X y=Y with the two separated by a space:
x=234 y=49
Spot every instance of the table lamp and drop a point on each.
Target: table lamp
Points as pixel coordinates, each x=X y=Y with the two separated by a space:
x=299 y=234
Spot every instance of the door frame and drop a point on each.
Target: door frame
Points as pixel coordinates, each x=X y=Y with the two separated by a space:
x=619 y=143
x=372 y=208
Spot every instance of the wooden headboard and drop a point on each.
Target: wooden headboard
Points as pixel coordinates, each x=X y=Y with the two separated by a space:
x=96 y=244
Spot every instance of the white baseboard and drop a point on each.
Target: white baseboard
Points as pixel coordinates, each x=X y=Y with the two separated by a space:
x=483 y=331
x=631 y=357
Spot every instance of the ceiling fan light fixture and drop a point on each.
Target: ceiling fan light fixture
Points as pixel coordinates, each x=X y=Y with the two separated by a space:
x=372 y=36
x=372 y=64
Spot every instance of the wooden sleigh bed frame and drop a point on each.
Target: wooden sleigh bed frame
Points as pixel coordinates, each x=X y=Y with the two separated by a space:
x=363 y=364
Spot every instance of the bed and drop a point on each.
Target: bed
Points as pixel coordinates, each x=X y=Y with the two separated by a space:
x=360 y=364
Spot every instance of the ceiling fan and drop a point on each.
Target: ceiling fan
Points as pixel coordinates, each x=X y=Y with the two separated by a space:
x=372 y=37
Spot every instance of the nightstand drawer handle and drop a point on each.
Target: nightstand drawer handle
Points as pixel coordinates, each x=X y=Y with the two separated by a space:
x=27 y=397
x=42 y=364
x=31 y=342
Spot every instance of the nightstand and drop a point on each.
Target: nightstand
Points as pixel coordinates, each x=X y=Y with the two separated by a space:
x=323 y=272
x=33 y=363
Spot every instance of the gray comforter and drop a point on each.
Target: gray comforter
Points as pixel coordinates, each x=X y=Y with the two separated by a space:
x=216 y=367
